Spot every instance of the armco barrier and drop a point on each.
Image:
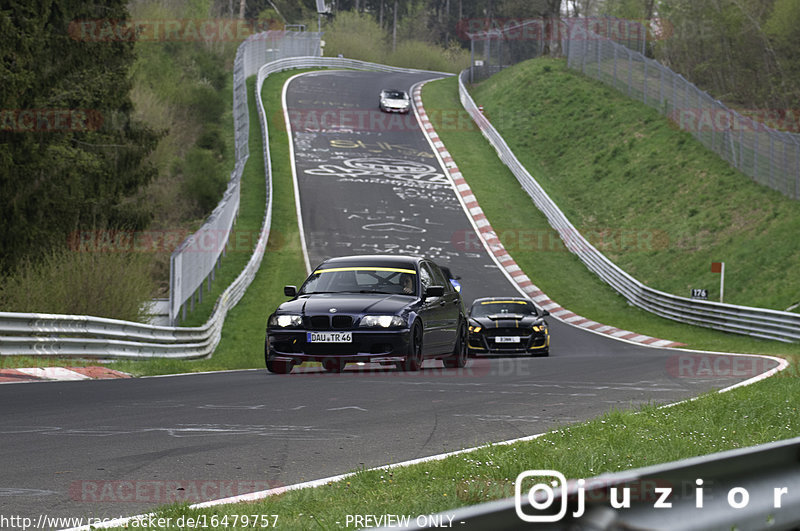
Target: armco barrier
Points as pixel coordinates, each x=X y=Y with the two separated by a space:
x=195 y=260
x=36 y=334
x=756 y=322
x=748 y=488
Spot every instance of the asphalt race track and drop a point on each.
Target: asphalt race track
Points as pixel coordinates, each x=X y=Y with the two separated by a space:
x=368 y=183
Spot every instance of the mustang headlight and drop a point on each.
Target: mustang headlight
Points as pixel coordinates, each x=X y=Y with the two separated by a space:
x=382 y=321
x=286 y=321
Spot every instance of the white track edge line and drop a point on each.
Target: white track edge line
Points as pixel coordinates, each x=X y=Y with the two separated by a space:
x=782 y=364
x=295 y=183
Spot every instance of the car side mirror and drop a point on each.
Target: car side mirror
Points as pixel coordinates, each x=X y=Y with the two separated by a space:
x=290 y=291
x=434 y=291
x=545 y=313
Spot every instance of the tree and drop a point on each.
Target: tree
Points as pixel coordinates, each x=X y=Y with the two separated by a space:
x=71 y=157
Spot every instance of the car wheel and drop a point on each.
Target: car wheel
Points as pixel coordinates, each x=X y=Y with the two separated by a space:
x=459 y=357
x=413 y=361
x=333 y=365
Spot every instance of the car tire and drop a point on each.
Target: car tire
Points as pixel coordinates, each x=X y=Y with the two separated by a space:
x=413 y=361
x=459 y=357
x=333 y=365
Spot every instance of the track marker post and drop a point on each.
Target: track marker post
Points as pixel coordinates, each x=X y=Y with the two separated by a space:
x=719 y=267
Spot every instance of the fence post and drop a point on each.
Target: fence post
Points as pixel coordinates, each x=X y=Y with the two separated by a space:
x=741 y=151
x=598 y=46
x=755 y=154
x=644 y=38
x=541 y=38
x=644 y=84
x=615 y=66
x=585 y=51
x=796 y=168
x=630 y=71
x=713 y=127
x=786 y=173
x=772 y=161
x=686 y=97
x=471 y=58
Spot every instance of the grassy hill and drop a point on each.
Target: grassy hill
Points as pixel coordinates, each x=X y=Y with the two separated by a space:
x=648 y=195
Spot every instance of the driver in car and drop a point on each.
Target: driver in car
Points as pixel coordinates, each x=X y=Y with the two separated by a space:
x=407 y=283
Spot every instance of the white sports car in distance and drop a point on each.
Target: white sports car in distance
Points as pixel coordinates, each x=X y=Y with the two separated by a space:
x=395 y=101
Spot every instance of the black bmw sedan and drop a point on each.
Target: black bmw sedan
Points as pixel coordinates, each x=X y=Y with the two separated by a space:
x=507 y=325
x=388 y=309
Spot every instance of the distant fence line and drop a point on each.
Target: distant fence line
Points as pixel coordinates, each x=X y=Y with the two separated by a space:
x=768 y=156
x=197 y=259
x=755 y=322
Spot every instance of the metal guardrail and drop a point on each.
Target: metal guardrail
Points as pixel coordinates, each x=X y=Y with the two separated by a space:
x=756 y=322
x=737 y=491
x=768 y=156
x=34 y=334
x=195 y=260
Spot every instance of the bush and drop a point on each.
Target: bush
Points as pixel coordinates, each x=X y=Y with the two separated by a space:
x=204 y=179
x=426 y=56
x=113 y=283
x=356 y=36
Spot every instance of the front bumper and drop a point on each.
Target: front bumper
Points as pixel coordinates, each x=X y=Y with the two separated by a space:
x=389 y=346
x=481 y=343
x=401 y=110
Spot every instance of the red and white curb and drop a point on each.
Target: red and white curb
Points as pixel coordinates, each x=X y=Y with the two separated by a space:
x=503 y=259
x=41 y=374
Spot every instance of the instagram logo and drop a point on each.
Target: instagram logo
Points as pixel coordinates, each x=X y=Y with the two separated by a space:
x=541 y=495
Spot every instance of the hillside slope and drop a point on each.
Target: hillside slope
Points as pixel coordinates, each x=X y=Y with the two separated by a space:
x=652 y=198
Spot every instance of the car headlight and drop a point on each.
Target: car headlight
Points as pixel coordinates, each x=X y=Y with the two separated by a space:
x=382 y=321
x=475 y=329
x=286 y=321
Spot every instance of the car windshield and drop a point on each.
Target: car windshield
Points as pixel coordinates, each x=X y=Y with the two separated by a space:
x=395 y=95
x=489 y=308
x=389 y=280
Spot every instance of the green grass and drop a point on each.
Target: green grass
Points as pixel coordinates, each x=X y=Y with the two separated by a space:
x=760 y=413
x=241 y=346
x=246 y=229
x=619 y=440
x=617 y=167
x=534 y=245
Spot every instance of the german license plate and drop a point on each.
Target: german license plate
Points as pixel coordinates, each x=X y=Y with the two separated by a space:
x=329 y=337
x=507 y=339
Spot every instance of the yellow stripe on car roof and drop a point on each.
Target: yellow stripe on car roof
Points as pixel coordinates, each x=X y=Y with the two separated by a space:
x=505 y=302
x=392 y=269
